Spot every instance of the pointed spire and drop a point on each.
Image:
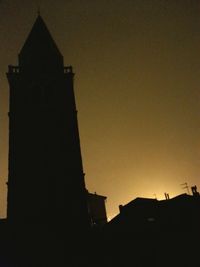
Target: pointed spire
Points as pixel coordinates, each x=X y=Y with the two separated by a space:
x=40 y=51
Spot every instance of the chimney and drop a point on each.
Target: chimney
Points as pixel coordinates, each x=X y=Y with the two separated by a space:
x=120 y=208
x=166 y=196
x=194 y=191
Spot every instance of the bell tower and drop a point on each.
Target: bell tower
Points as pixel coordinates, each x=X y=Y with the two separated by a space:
x=46 y=179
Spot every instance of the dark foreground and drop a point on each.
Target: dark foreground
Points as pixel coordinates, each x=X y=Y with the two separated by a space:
x=41 y=246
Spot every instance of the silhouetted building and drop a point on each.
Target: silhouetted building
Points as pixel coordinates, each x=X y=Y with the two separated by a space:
x=97 y=209
x=148 y=232
x=146 y=216
x=46 y=179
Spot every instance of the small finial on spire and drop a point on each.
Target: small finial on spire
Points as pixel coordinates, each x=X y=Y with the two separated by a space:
x=38 y=11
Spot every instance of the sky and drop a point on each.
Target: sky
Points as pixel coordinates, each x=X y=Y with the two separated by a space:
x=137 y=87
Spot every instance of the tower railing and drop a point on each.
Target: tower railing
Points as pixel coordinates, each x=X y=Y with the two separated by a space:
x=68 y=69
x=13 y=69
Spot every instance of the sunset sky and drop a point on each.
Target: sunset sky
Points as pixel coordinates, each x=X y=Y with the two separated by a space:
x=137 y=87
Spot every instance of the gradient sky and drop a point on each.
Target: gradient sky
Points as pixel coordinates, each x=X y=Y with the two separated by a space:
x=137 y=86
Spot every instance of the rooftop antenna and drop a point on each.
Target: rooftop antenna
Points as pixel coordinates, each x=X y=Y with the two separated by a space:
x=185 y=186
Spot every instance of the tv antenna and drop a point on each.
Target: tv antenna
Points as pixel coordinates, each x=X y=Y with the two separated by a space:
x=185 y=186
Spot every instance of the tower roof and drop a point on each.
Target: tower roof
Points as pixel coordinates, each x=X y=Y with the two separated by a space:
x=39 y=50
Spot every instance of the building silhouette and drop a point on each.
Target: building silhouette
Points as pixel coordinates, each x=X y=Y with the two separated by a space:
x=46 y=180
x=97 y=209
x=146 y=216
x=151 y=232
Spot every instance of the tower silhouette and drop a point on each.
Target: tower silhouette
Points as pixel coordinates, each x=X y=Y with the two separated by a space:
x=46 y=179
